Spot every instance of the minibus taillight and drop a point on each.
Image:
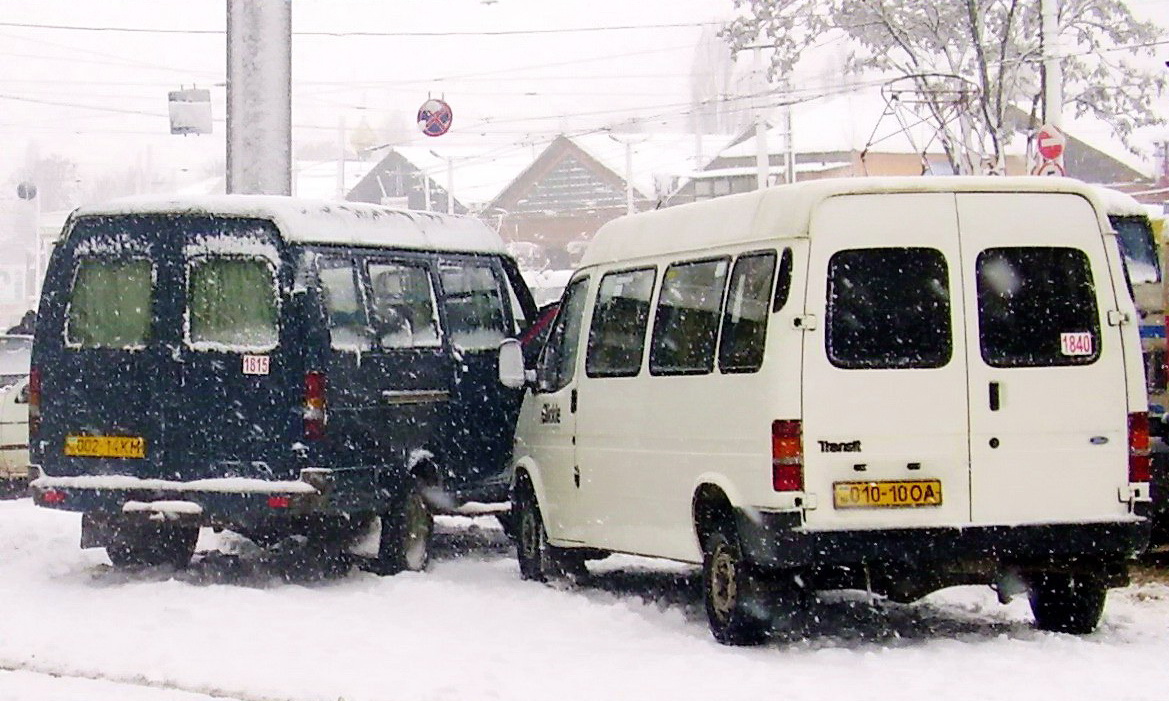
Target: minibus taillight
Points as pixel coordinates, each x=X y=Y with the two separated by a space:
x=1138 y=447
x=34 y=404
x=787 y=456
x=315 y=415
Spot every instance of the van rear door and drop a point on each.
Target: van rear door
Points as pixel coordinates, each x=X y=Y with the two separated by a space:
x=105 y=348
x=1048 y=417
x=241 y=384
x=884 y=379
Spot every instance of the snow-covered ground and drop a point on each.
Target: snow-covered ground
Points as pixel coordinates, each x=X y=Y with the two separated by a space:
x=244 y=627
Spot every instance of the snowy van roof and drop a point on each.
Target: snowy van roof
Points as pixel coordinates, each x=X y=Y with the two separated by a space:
x=1119 y=203
x=782 y=212
x=319 y=221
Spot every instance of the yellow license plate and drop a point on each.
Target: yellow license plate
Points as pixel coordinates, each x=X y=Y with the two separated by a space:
x=898 y=493
x=105 y=447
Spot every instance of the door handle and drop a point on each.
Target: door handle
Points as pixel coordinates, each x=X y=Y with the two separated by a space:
x=572 y=401
x=995 y=400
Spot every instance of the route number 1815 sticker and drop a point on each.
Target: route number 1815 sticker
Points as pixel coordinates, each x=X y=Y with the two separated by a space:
x=1078 y=343
x=256 y=365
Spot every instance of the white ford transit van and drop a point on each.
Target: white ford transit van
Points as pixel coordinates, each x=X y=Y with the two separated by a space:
x=887 y=384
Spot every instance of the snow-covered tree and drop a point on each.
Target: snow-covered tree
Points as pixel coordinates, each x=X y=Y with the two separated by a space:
x=993 y=45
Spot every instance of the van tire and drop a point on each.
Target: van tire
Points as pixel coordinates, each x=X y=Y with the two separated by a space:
x=1067 y=603
x=732 y=589
x=538 y=560
x=149 y=545
x=404 y=543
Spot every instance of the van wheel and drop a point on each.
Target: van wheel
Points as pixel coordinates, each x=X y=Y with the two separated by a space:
x=404 y=544
x=538 y=560
x=152 y=545
x=1067 y=603
x=731 y=587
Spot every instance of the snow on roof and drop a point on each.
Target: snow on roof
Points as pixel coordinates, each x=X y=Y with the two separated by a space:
x=316 y=221
x=654 y=155
x=479 y=175
x=1119 y=203
x=781 y=212
x=318 y=180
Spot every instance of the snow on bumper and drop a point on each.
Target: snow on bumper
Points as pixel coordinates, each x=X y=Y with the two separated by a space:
x=207 y=500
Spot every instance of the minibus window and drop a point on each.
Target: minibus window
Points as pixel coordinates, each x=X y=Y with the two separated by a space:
x=783 y=286
x=1037 y=307
x=474 y=305
x=232 y=302
x=110 y=304
x=342 y=300
x=403 y=304
x=888 y=308
x=617 y=333
x=557 y=364
x=686 y=320
x=744 y=326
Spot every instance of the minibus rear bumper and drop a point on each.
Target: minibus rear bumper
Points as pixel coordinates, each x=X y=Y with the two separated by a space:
x=205 y=502
x=777 y=540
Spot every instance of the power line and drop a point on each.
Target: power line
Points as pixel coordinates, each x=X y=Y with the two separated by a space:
x=364 y=33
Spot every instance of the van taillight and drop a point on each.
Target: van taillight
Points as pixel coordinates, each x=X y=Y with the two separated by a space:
x=315 y=415
x=787 y=456
x=34 y=403
x=1138 y=447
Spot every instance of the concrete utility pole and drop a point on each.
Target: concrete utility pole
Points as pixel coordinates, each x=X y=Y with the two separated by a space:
x=1052 y=65
x=259 y=97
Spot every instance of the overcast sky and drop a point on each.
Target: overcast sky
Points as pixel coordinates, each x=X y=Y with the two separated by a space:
x=514 y=71
x=98 y=96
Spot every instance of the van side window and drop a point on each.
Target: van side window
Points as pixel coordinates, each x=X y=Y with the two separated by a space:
x=783 y=286
x=888 y=308
x=745 y=317
x=232 y=301
x=343 y=307
x=686 y=320
x=617 y=333
x=403 y=305
x=1036 y=307
x=557 y=364
x=474 y=305
x=110 y=305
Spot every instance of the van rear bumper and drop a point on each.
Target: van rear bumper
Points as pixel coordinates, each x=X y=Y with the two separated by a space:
x=218 y=502
x=776 y=540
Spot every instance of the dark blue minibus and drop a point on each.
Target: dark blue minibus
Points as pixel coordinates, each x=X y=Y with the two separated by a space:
x=273 y=366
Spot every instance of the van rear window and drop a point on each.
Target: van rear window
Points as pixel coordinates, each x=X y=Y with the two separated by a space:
x=888 y=308
x=110 y=304
x=232 y=302
x=1036 y=307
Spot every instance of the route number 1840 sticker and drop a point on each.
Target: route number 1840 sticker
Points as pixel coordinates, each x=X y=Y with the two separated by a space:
x=1078 y=343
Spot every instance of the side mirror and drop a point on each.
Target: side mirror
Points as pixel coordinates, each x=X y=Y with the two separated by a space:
x=512 y=373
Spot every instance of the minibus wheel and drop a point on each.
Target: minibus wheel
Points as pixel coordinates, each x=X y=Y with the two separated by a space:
x=731 y=587
x=404 y=544
x=141 y=545
x=1067 y=603
x=532 y=548
x=538 y=560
